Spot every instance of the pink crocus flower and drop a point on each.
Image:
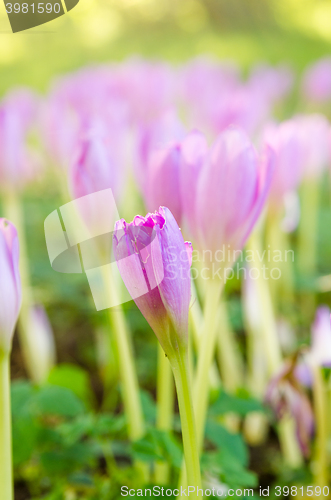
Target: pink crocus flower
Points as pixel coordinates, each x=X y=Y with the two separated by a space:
x=284 y=139
x=10 y=283
x=18 y=163
x=95 y=169
x=314 y=134
x=230 y=192
x=159 y=134
x=154 y=262
x=163 y=180
x=194 y=150
x=316 y=85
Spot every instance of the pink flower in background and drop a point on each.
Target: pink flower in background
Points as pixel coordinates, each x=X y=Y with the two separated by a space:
x=92 y=95
x=95 y=169
x=154 y=262
x=18 y=163
x=316 y=84
x=159 y=134
x=10 y=283
x=163 y=180
x=274 y=83
x=43 y=354
x=194 y=150
x=320 y=353
x=148 y=87
x=231 y=190
x=284 y=139
x=286 y=396
x=315 y=134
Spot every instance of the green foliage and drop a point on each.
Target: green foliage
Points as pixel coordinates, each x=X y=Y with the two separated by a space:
x=229 y=461
x=242 y=404
x=60 y=444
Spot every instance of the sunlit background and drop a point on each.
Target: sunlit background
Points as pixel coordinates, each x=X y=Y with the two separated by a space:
x=296 y=31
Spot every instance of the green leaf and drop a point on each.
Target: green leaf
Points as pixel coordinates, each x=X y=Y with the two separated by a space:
x=230 y=471
x=24 y=431
x=228 y=443
x=227 y=403
x=169 y=448
x=74 y=378
x=148 y=406
x=146 y=449
x=66 y=461
x=22 y=393
x=57 y=401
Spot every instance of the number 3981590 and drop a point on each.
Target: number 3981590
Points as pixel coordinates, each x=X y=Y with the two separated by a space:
x=39 y=8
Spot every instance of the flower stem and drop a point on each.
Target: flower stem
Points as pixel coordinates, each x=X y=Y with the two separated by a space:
x=272 y=351
x=127 y=371
x=206 y=356
x=321 y=415
x=13 y=211
x=230 y=361
x=6 y=472
x=180 y=368
x=165 y=409
x=307 y=241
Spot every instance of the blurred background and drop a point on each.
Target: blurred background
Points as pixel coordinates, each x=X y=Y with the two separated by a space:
x=294 y=31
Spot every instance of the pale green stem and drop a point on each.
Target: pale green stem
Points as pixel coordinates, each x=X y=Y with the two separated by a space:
x=307 y=241
x=281 y=257
x=256 y=423
x=272 y=351
x=127 y=371
x=179 y=364
x=165 y=409
x=6 y=471
x=229 y=359
x=321 y=416
x=307 y=234
x=13 y=211
x=206 y=354
x=196 y=323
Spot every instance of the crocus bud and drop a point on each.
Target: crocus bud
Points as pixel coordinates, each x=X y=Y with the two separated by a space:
x=231 y=190
x=43 y=353
x=285 y=141
x=286 y=396
x=10 y=283
x=154 y=262
x=317 y=81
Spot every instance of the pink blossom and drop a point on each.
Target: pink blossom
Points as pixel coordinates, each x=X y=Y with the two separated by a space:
x=154 y=263
x=316 y=85
x=231 y=190
x=284 y=139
